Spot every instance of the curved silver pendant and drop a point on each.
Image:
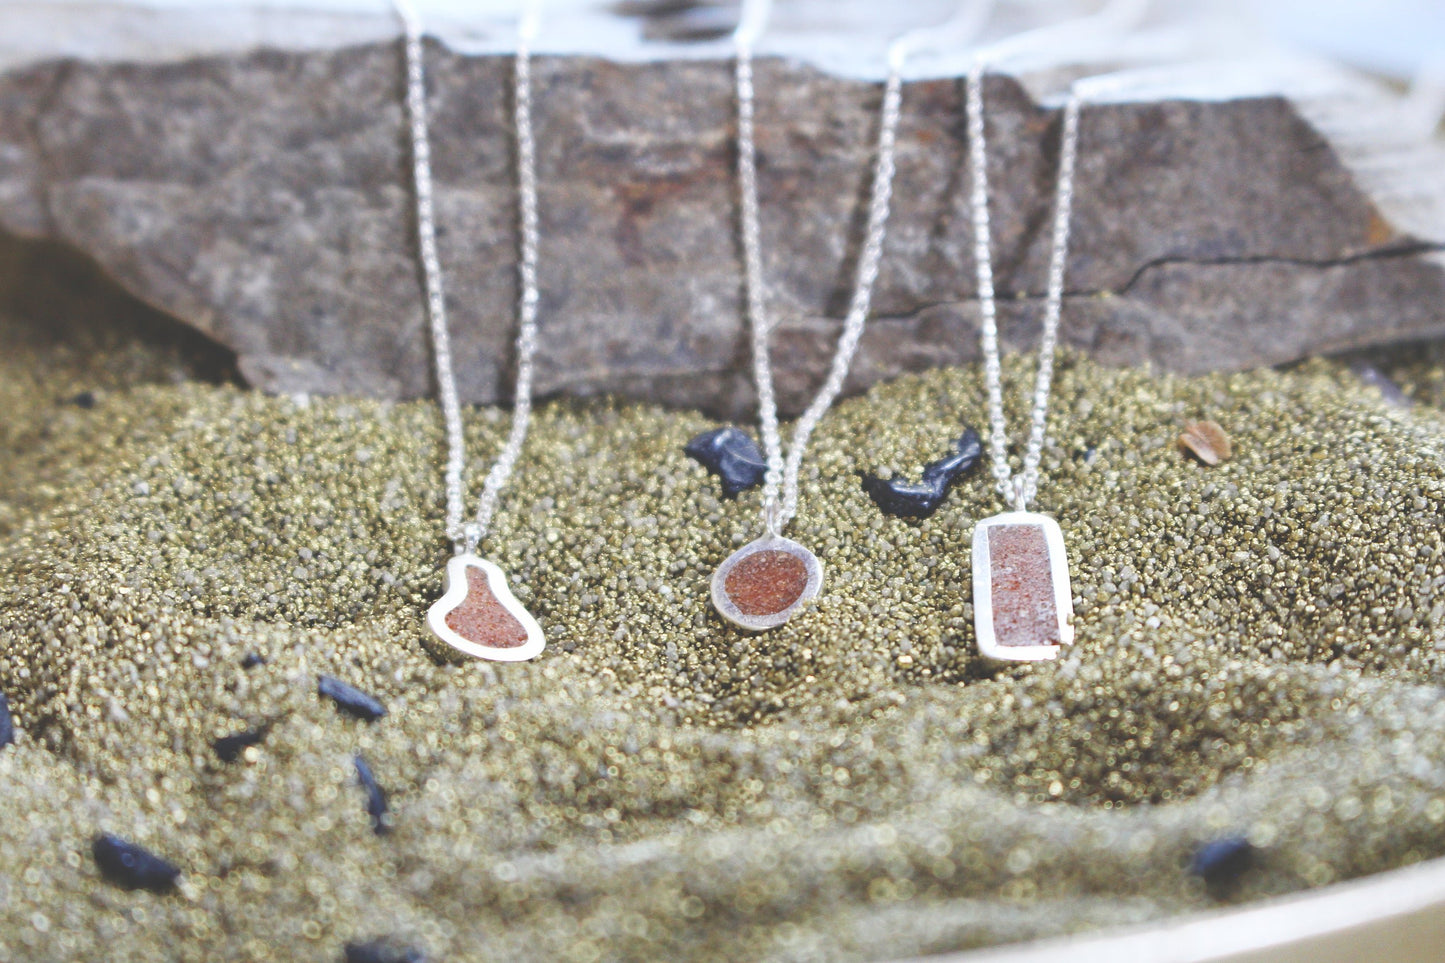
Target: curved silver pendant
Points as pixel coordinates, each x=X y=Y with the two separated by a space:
x=478 y=614
x=1022 y=603
x=765 y=583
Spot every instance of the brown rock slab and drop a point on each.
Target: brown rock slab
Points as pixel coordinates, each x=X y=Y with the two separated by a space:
x=264 y=198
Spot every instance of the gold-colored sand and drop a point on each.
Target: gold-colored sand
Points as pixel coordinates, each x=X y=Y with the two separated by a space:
x=1258 y=654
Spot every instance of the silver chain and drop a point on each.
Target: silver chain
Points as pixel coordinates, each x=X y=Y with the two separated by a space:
x=468 y=535
x=783 y=474
x=1018 y=491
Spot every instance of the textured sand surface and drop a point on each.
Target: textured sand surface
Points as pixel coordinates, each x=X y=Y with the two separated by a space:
x=1258 y=654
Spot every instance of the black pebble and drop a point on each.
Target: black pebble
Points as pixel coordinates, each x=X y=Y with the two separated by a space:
x=251 y=660
x=1220 y=863
x=375 y=796
x=7 y=723
x=126 y=864
x=350 y=699
x=382 y=951
x=228 y=748
x=86 y=399
x=732 y=455
x=898 y=497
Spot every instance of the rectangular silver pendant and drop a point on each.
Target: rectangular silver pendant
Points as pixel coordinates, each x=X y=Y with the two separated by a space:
x=1022 y=605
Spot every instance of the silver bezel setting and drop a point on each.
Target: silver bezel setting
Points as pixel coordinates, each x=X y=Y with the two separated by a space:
x=983 y=589
x=455 y=591
x=768 y=543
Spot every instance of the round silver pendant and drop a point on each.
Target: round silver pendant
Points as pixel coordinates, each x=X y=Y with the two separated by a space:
x=766 y=582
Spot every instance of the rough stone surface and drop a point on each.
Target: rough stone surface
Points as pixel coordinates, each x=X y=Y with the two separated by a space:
x=264 y=198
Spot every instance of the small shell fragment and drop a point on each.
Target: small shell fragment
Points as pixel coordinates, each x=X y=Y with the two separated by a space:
x=1207 y=441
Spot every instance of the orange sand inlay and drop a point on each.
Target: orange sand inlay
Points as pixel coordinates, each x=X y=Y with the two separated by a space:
x=1024 y=612
x=484 y=620
x=767 y=582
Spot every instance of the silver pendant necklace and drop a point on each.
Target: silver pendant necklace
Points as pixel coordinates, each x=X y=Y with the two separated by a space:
x=477 y=613
x=1022 y=601
x=767 y=581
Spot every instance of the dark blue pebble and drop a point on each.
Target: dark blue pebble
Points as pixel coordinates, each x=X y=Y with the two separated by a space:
x=1220 y=863
x=382 y=951
x=7 y=723
x=901 y=498
x=350 y=699
x=228 y=748
x=128 y=865
x=252 y=660
x=732 y=455
x=376 y=806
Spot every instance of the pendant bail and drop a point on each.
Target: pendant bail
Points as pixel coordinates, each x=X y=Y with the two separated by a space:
x=471 y=538
x=1020 y=494
x=772 y=518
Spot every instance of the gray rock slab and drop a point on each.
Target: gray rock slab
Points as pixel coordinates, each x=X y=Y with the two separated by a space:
x=264 y=198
